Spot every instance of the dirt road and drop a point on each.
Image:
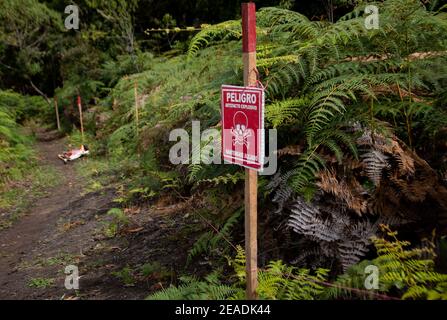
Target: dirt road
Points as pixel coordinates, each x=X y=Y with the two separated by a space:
x=66 y=227
x=35 y=248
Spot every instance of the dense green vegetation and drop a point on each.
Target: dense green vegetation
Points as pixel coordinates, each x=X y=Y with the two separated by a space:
x=360 y=114
x=17 y=156
x=406 y=270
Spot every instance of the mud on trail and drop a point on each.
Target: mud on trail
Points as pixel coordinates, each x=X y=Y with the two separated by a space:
x=65 y=227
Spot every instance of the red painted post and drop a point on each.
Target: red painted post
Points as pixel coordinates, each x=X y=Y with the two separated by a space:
x=251 y=176
x=248 y=27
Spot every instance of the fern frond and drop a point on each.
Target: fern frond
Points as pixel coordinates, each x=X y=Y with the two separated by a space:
x=193 y=289
x=375 y=161
x=285 y=111
x=226 y=30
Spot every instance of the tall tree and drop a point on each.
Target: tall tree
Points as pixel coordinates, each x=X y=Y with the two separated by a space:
x=27 y=33
x=120 y=14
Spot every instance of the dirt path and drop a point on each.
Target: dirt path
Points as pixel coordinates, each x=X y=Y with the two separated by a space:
x=33 y=242
x=66 y=227
x=21 y=241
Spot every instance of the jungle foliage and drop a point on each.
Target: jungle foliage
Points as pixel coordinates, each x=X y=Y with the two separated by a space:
x=362 y=128
x=361 y=105
x=404 y=273
x=16 y=154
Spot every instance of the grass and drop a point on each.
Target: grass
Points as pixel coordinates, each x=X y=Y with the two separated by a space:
x=154 y=270
x=40 y=283
x=16 y=196
x=92 y=167
x=126 y=275
x=119 y=220
x=97 y=173
x=60 y=259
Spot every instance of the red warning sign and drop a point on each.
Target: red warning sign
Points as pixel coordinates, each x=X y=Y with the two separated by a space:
x=243 y=126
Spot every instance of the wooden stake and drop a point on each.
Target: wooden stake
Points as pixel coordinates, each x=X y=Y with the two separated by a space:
x=136 y=107
x=80 y=117
x=57 y=114
x=251 y=176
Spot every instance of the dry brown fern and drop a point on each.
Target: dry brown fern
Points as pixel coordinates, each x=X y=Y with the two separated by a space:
x=349 y=190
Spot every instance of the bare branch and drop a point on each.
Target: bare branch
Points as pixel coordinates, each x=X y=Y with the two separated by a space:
x=40 y=92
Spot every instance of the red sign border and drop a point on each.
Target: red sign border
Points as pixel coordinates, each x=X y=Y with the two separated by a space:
x=260 y=134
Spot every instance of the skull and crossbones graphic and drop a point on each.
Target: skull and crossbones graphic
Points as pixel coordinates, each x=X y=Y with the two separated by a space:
x=240 y=131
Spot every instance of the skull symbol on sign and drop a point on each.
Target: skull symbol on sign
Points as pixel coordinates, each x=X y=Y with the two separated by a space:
x=240 y=131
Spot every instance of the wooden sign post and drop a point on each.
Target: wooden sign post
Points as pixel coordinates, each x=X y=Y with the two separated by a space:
x=251 y=176
x=57 y=114
x=80 y=117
